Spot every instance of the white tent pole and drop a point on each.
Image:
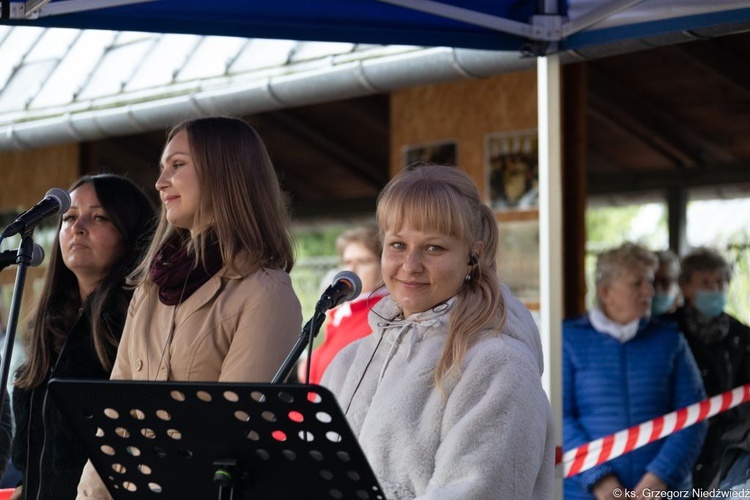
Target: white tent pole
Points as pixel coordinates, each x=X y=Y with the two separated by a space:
x=550 y=233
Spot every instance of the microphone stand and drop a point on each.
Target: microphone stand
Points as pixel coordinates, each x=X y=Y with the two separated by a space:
x=309 y=332
x=25 y=253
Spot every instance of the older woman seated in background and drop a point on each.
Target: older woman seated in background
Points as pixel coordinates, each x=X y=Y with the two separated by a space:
x=622 y=368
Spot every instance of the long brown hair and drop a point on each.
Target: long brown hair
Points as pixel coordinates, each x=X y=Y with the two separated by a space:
x=132 y=214
x=444 y=199
x=240 y=189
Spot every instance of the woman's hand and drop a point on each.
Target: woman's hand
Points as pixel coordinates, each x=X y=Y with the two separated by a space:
x=649 y=482
x=608 y=488
x=17 y=493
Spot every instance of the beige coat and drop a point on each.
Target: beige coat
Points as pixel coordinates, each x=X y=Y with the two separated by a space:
x=232 y=329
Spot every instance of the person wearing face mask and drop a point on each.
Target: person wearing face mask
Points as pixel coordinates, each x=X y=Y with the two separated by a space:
x=666 y=289
x=720 y=344
x=622 y=367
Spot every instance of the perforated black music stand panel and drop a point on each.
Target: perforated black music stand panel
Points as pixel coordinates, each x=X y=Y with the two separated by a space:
x=153 y=440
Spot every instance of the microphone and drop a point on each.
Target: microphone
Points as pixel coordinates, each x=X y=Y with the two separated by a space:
x=55 y=201
x=346 y=286
x=9 y=257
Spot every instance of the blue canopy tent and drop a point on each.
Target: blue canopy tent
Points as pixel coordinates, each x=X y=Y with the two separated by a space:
x=540 y=26
x=544 y=28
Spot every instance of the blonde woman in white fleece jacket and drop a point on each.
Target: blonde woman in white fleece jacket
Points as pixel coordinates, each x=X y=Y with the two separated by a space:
x=445 y=395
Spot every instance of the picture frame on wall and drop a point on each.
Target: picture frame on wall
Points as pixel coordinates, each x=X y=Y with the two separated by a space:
x=439 y=152
x=512 y=169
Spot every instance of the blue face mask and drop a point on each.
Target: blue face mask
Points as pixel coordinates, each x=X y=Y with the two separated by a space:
x=661 y=303
x=709 y=303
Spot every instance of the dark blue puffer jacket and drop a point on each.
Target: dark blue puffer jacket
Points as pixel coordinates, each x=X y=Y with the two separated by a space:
x=609 y=386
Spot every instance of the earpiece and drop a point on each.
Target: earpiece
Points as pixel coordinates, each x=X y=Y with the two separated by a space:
x=473 y=259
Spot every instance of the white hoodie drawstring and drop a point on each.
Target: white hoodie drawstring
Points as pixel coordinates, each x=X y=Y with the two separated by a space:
x=394 y=347
x=414 y=338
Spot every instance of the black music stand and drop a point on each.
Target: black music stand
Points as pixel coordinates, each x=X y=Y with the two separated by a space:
x=160 y=440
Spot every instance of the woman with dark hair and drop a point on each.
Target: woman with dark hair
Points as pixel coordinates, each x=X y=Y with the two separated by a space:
x=214 y=301
x=77 y=325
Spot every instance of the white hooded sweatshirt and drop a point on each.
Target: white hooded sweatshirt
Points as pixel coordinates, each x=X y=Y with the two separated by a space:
x=488 y=436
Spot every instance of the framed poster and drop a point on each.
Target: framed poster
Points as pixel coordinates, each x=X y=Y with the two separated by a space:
x=441 y=153
x=512 y=169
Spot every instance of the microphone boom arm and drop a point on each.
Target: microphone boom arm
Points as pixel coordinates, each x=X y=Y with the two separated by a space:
x=306 y=336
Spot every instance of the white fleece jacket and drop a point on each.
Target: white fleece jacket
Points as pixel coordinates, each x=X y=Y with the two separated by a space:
x=490 y=436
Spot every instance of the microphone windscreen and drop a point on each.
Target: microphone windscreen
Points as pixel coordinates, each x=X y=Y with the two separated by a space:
x=61 y=196
x=353 y=279
x=37 y=255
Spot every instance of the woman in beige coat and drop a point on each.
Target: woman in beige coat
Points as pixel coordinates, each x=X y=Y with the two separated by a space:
x=214 y=300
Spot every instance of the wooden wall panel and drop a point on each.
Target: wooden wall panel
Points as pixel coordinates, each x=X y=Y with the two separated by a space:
x=27 y=175
x=462 y=111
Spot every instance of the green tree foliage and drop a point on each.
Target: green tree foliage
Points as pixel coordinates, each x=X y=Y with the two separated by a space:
x=608 y=227
x=317 y=240
x=739 y=289
x=315 y=247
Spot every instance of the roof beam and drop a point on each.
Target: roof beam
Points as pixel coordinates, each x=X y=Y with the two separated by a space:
x=353 y=161
x=707 y=175
x=623 y=119
x=635 y=111
x=333 y=207
x=733 y=69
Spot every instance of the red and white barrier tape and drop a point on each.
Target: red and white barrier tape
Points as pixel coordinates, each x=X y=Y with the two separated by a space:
x=604 y=449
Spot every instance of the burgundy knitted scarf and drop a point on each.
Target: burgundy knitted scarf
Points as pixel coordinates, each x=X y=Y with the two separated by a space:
x=175 y=273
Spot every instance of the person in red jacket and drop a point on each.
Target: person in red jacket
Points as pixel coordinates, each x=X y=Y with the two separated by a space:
x=360 y=252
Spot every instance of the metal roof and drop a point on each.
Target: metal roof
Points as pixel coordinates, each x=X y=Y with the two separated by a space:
x=54 y=71
x=61 y=85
